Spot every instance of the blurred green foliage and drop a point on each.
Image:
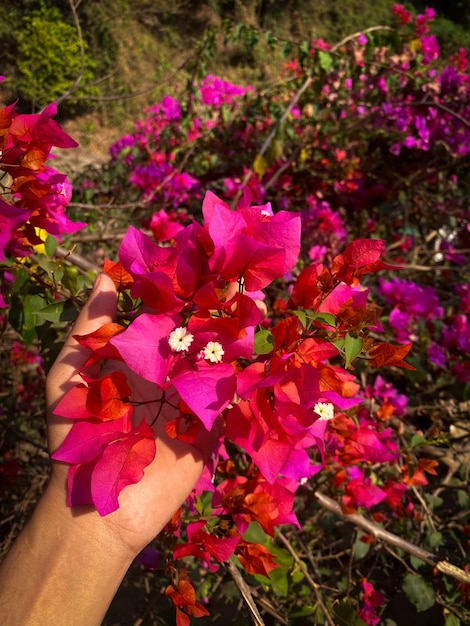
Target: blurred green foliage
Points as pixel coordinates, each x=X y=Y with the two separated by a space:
x=131 y=46
x=50 y=60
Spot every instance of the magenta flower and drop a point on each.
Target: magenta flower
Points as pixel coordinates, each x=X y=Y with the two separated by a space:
x=11 y=217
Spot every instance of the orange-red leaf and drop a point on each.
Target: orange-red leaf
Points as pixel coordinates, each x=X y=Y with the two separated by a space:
x=121 y=277
x=34 y=159
x=385 y=354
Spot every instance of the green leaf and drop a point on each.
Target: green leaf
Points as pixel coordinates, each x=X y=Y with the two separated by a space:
x=326 y=60
x=352 y=348
x=418 y=592
x=325 y=318
x=22 y=316
x=286 y=49
x=452 y=620
x=416 y=563
x=63 y=311
x=463 y=499
x=279 y=578
x=255 y=534
x=305 y=611
x=264 y=342
x=302 y=317
x=345 y=615
x=417 y=440
x=50 y=244
x=435 y=540
x=360 y=549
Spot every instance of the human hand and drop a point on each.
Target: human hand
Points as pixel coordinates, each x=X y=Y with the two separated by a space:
x=145 y=507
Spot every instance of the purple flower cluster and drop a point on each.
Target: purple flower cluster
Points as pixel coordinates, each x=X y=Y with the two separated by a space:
x=418 y=315
x=410 y=302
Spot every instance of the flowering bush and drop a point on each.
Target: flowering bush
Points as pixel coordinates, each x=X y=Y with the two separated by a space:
x=366 y=137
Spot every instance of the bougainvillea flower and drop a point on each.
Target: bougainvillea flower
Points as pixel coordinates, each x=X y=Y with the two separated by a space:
x=162 y=227
x=105 y=398
x=254 y=499
x=105 y=457
x=360 y=492
x=144 y=345
x=207 y=388
x=255 y=558
x=372 y=600
x=206 y=545
x=11 y=217
x=152 y=268
x=41 y=130
x=184 y=598
x=251 y=243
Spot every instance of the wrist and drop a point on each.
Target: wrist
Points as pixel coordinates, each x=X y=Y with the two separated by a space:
x=65 y=567
x=82 y=528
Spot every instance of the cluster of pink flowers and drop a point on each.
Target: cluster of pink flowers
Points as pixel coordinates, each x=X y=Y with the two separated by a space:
x=34 y=196
x=216 y=92
x=202 y=350
x=323 y=230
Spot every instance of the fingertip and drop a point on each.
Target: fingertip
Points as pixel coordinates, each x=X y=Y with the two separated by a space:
x=100 y=308
x=103 y=282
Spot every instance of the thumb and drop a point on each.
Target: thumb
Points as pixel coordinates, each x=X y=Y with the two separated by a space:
x=100 y=309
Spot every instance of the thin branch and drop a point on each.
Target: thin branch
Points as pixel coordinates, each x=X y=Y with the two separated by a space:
x=384 y=535
x=356 y=35
x=135 y=94
x=78 y=80
x=76 y=259
x=270 y=137
x=246 y=593
x=314 y=585
x=24 y=437
x=122 y=207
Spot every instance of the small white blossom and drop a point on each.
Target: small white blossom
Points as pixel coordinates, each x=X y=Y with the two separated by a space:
x=180 y=339
x=213 y=352
x=325 y=410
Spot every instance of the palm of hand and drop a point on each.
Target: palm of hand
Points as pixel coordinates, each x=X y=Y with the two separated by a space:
x=147 y=506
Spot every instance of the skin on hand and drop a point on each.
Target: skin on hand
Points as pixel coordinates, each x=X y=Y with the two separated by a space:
x=146 y=507
x=67 y=563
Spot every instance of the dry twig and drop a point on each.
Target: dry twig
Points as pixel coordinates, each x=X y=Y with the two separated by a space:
x=387 y=537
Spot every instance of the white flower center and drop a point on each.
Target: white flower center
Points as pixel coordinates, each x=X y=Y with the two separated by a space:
x=180 y=339
x=213 y=352
x=325 y=410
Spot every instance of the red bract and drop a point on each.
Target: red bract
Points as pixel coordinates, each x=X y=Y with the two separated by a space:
x=105 y=457
x=184 y=597
x=205 y=545
x=39 y=130
x=105 y=398
x=254 y=499
x=255 y=558
x=122 y=279
x=251 y=243
x=360 y=257
x=385 y=354
x=39 y=194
